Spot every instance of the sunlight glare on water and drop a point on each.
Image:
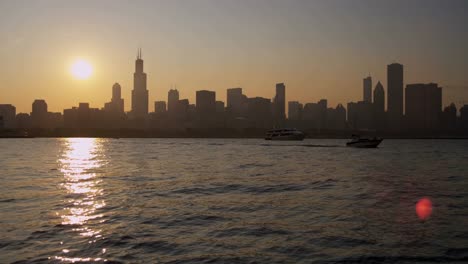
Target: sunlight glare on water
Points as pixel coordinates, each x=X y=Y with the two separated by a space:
x=79 y=164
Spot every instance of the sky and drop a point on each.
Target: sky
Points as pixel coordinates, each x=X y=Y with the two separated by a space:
x=319 y=49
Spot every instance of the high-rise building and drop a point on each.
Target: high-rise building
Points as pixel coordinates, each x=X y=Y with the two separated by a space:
x=449 y=117
x=294 y=110
x=315 y=114
x=139 y=92
x=279 y=104
x=379 y=97
x=7 y=116
x=205 y=102
x=172 y=100
x=39 y=114
x=116 y=105
x=367 y=89
x=360 y=115
x=336 y=118
x=159 y=107
x=219 y=106
x=394 y=96
x=423 y=106
x=379 y=107
x=259 y=112
x=236 y=102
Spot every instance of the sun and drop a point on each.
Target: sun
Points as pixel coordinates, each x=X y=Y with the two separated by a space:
x=81 y=69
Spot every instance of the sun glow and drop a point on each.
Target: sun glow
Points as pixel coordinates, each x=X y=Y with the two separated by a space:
x=81 y=69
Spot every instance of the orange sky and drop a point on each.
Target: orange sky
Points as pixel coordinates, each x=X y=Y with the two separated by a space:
x=319 y=49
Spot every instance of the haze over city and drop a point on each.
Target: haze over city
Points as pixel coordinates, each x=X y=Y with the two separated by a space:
x=319 y=49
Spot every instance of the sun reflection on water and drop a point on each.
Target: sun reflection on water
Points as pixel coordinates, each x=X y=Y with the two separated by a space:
x=80 y=165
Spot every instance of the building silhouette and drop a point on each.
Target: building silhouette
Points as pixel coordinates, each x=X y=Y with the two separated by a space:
x=172 y=100
x=295 y=110
x=181 y=112
x=259 y=112
x=367 y=89
x=336 y=118
x=379 y=117
x=449 y=118
x=279 y=104
x=394 y=96
x=314 y=115
x=116 y=105
x=139 y=92
x=205 y=102
x=39 y=113
x=160 y=107
x=423 y=106
x=219 y=107
x=7 y=116
x=236 y=102
x=360 y=115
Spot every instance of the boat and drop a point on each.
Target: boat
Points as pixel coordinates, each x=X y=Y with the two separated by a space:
x=284 y=134
x=362 y=142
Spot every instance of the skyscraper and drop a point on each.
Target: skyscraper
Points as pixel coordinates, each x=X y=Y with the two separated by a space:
x=379 y=98
x=116 y=104
x=139 y=92
x=367 y=89
x=423 y=106
x=379 y=107
x=236 y=102
x=39 y=113
x=206 y=102
x=279 y=104
x=172 y=100
x=7 y=116
x=395 y=95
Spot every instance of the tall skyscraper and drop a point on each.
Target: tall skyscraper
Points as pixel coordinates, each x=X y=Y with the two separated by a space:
x=379 y=107
x=172 y=100
x=395 y=96
x=379 y=98
x=279 y=104
x=367 y=89
x=139 y=92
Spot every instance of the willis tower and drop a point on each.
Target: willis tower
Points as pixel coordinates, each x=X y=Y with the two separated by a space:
x=139 y=92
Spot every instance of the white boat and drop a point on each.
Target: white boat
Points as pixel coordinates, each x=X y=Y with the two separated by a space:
x=284 y=134
x=360 y=142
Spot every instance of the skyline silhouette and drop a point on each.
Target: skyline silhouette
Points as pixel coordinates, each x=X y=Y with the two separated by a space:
x=419 y=113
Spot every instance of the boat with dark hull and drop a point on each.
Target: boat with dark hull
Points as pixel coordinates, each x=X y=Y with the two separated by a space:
x=361 y=142
x=285 y=134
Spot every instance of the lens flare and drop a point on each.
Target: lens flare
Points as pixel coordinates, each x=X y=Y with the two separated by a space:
x=424 y=208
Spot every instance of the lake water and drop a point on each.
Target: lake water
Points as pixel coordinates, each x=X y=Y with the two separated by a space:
x=231 y=201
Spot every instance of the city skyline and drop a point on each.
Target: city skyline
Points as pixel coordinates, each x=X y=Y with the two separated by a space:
x=316 y=56
x=415 y=109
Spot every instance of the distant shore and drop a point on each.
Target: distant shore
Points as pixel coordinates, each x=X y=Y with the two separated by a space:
x=209 y=133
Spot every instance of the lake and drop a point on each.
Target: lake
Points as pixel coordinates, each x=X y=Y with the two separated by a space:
x=231 y=201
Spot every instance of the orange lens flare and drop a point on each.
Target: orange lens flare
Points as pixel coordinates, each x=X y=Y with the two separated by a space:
x=424 y=208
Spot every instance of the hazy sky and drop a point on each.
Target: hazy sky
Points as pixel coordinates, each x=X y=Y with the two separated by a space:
x=319 y=49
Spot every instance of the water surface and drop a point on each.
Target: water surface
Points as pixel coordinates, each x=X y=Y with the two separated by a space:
x=231 y=201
